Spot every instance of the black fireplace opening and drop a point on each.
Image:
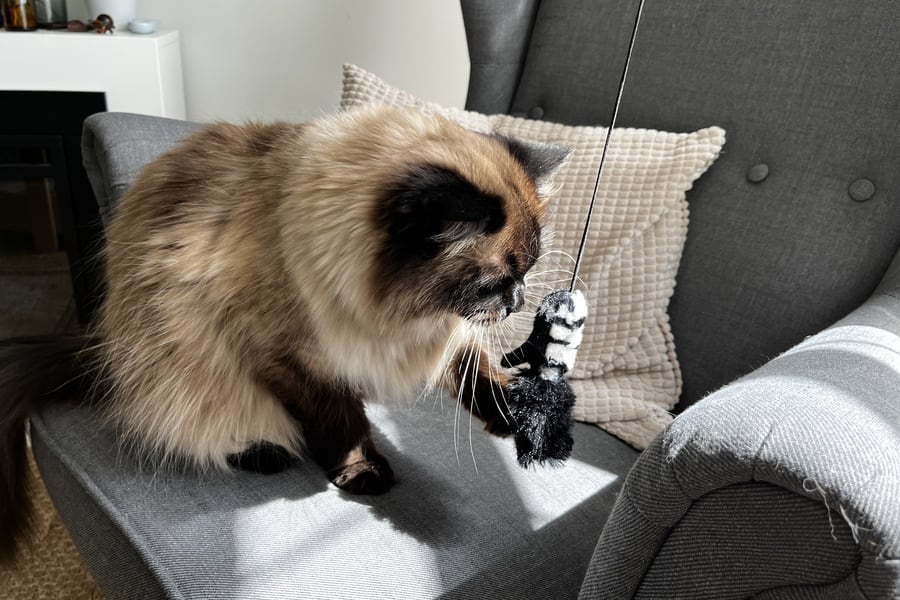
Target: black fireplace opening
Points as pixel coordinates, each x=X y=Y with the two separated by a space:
x=41 y=169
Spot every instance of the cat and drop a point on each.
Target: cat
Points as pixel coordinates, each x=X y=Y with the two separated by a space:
x=262 y=280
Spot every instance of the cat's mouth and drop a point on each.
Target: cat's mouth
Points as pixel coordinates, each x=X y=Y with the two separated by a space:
x=494 y=315
x=496 y=303
x=489 y=317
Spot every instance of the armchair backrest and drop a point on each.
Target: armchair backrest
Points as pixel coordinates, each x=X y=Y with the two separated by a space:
x=798 y=220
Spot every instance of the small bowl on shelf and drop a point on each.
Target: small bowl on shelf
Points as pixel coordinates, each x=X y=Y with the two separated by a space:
x=142 y=25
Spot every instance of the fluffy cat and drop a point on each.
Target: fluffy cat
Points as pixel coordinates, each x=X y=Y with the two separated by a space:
x=263 y=280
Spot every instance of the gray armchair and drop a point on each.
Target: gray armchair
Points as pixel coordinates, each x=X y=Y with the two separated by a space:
x=781 y=477
x=787 y=480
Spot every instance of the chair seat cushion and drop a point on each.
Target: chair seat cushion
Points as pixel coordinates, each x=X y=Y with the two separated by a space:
x=464 y=521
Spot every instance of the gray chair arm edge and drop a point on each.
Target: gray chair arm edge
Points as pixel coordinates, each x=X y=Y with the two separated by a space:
x=821 y=420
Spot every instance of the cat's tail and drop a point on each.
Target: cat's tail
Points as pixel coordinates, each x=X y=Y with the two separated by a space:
x=34 y=372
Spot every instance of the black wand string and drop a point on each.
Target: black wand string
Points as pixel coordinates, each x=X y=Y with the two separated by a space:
x=612 y=124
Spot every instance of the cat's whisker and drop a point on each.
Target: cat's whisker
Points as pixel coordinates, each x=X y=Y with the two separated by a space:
x=451 y=350
x=535 y=288
x=562 y=253
x=547 y=274
x=546 y=271
x=552 y=279
x=505 y=331
x=463 y=372
x=552 y=282
x=538 y=293
x=550 y=268
x=543 y=283
x=474 y=404
x=494 y=376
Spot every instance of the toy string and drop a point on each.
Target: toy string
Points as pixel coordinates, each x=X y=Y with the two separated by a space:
x=612 y=124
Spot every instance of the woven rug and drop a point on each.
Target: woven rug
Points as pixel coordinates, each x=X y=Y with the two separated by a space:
x=36 y=298
x=51 y=568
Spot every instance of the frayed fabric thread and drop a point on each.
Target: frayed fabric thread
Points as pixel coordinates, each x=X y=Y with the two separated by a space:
x=811 y=486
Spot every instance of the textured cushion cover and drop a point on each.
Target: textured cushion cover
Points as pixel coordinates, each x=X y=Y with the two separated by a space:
x=453 y=527
x=627 y=377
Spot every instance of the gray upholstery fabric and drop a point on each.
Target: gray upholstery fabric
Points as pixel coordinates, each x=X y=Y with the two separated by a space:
x=122 y=569
x=821 y=421
x=846 y=589
x=451 y=528
x=807 y=88
x=115 y=146
x=496 y=50
x=802 y=548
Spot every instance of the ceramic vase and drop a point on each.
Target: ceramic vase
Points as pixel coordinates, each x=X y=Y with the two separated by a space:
x=121 y=11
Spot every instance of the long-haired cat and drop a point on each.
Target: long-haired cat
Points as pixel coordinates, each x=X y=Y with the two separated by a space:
x=263 y=280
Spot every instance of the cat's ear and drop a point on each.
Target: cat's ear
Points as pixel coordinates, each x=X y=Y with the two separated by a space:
x=541 y=161
x=432 y=206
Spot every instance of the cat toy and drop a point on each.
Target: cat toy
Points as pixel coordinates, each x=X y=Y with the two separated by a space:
x=540 y=398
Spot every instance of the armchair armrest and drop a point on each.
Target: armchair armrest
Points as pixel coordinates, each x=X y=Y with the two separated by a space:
x=116 y=146
x=783 y=484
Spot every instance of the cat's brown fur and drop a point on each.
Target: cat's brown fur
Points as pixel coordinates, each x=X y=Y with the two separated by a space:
x=263 y=280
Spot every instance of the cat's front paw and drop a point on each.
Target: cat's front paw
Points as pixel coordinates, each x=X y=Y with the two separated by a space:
x=371 y=475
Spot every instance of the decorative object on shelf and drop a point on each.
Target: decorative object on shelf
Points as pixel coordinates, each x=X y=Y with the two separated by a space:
x=121 y=11
x=103 y=24
x=18 y=15
x=50 y=14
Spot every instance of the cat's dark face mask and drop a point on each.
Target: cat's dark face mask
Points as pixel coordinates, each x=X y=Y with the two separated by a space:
x=452 y=246
x=488 y=286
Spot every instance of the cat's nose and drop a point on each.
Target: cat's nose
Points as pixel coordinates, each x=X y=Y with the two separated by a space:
x=514 y=296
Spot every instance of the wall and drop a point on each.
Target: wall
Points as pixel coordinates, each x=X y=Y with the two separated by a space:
x=268 y=59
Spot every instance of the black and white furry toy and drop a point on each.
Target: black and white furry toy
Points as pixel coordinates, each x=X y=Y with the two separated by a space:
x=540 y=398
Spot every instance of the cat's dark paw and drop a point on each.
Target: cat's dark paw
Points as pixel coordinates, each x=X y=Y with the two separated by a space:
x=263 y=457
x=371 y=475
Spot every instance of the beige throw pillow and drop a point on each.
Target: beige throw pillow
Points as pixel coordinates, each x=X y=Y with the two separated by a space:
x=627 y=376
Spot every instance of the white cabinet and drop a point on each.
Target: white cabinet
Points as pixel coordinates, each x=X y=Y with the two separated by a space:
x=136 y=73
